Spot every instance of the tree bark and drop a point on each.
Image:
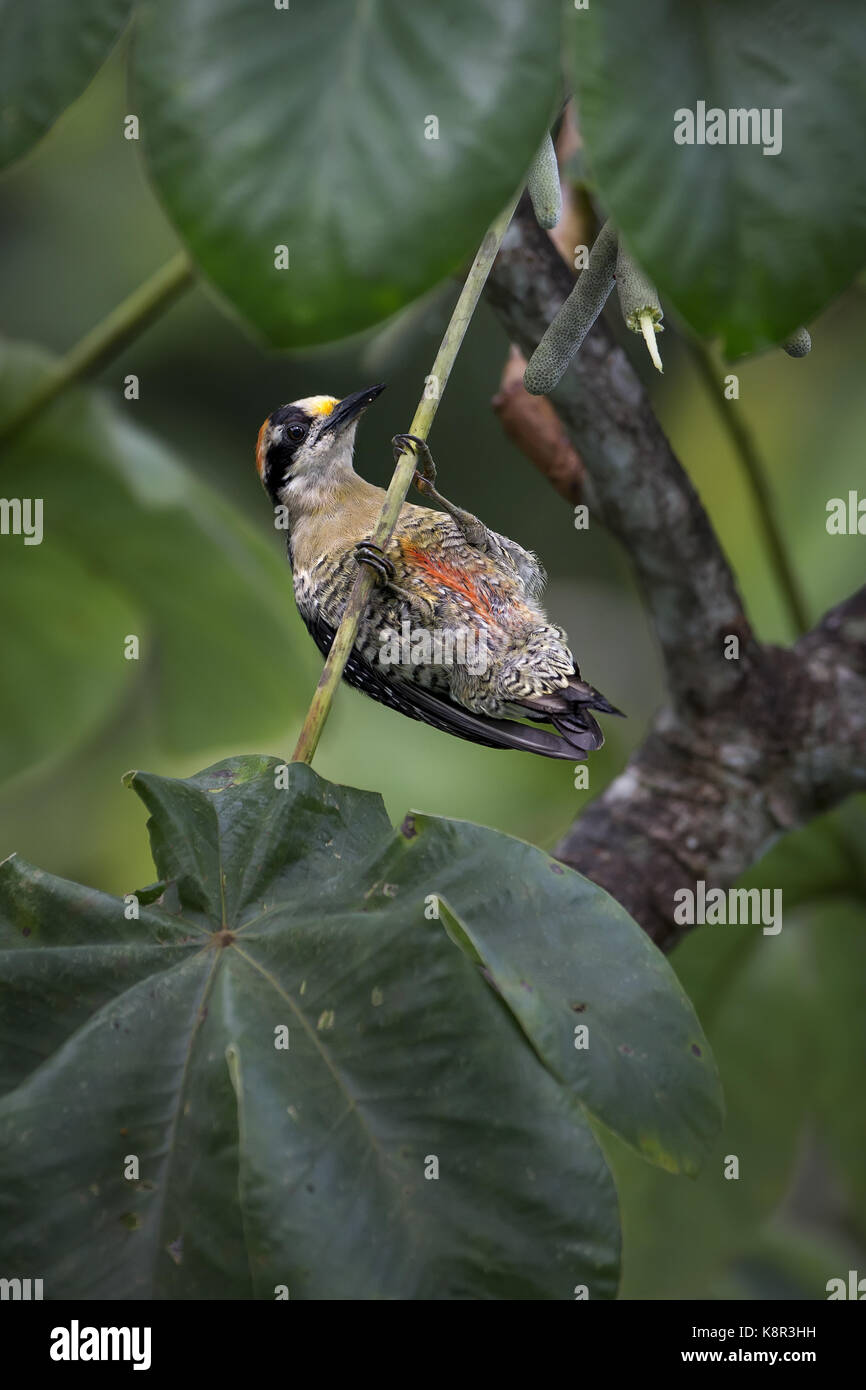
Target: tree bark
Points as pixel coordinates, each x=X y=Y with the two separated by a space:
x=750 y=746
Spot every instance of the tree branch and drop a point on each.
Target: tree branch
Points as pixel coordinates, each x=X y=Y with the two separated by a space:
x=749 y=748
x=646 y=498
x=705 y=797
x=103 y=342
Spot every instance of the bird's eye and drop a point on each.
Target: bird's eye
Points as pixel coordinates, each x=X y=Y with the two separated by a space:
x=296 y=432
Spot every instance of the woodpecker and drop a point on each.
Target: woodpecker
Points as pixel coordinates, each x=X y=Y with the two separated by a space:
x=443 y=572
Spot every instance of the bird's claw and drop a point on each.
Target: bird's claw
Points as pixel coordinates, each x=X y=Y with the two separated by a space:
x=425 y=468
x=368 y=553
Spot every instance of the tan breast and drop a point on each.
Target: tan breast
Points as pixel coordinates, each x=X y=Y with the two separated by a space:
x=347 y=515
x=340 y=519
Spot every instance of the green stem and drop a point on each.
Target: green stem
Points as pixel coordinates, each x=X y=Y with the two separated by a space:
x=404 y=471
x=104 y=341
x=741 y=438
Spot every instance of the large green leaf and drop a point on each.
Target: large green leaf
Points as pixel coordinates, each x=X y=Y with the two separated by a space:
x=297 y=905
x=564 y=955
x=133 y=544
x=745 y=244
x=305 y=127
x=50 y=51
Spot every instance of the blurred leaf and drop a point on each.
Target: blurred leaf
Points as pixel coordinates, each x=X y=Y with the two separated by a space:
x=787 y=1263
x=133 y=544
x=62 y=676
x=678 y=1238
x=388 y=347
x=787 y=1022
x=838 y=956
x=746 y=245
x=49 y=53
x=262 y=1166
x=825 y=857
x=305 y=128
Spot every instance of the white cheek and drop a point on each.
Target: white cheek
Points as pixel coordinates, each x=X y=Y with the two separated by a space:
x=326 y=454
x=343 y=448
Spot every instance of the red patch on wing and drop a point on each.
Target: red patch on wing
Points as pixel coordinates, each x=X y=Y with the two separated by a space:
x=443 y=572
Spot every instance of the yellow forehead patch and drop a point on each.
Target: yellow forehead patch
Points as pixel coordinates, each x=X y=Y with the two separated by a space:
x=318 y=405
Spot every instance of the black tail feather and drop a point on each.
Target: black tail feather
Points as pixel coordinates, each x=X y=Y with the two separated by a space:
x=579 y=730
x=568 y=711
x=580 y=693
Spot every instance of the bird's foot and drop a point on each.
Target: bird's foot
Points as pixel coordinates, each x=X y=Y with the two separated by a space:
x=368 y=553
x=425 y=468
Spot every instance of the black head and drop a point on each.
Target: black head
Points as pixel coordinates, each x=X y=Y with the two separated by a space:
x=310 y=435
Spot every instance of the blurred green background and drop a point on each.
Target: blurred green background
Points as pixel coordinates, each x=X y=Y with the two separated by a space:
x=80 y=229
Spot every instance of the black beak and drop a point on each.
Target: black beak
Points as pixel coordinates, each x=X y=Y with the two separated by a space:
x=349 y=408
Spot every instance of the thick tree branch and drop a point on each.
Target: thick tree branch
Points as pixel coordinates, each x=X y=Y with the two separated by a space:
x=705 y=796
x=644 y=494
x=750 y=747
